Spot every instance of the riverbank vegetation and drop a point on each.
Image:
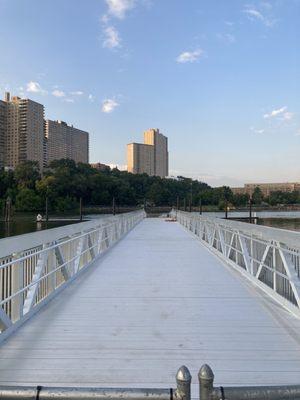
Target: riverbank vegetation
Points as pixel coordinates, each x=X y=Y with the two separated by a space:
x=64 y=182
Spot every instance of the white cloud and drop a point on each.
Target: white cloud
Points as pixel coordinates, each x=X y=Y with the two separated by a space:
x=91 y=98
x=288 y=116
x=226 y=38
x=77 y=93
x=58 y=93
x=108 y=105
x=119 y=8
x=189 y=56
x=68 y=100
x=35 y=87
x=258 y=131
x=275 y=113
x=112 y=38
x=255 y=14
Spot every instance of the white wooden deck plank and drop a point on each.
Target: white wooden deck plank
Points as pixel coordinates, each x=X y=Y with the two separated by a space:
x=156 y=301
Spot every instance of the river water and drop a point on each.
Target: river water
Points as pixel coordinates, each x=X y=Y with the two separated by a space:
x=26 y=223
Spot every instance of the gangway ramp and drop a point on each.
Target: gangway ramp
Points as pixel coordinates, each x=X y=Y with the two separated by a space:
x=157 y=300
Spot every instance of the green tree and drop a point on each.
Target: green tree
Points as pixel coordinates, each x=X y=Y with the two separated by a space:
x=257 y=196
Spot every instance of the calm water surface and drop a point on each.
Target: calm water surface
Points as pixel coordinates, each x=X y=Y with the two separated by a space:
x=27 y=224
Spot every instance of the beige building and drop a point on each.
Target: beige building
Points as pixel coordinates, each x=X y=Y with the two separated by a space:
x=151 y=157
x=100 y=166
x=2 y=131
x=24 y=137
x=267 y=188
x=64 y=141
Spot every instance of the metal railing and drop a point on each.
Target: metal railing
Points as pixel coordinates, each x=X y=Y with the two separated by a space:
x=34 y=267
x=268 y=257
x=207 y=391
x=181 y=392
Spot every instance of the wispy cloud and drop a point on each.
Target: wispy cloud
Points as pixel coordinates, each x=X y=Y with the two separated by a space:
x=35 y=87
x=77 y=93
x=227 y=38
x=109 y=105
x=280 y=112
x=256 y=14
x=68 y=100
x=119 y=8
x=258 y=131
x=111 y=38
x=189 y=56
x=91 y=98
x=58 y=93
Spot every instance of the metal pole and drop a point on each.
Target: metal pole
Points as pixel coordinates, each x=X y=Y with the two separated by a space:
x=226 y=209
x=80 y=208
x=177 y=203
x=190 y=205
x=200 y=206
x=114 y=206
x=250 y=210
x=183 y=379
x=46 y=211
x=78 y=393
x=206 y=382
x=184 y=204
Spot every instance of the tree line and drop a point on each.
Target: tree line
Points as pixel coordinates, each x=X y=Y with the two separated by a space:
x=64 y=182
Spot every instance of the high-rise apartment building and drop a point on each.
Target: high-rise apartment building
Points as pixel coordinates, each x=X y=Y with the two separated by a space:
x=64 y=141
x=151 y=157
x=161 y=156
x=140 y=158
x=2 y=131
x=24 y=137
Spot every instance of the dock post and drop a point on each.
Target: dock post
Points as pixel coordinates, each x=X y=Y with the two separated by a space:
x=114 y=206
x=183 y=380
x=206 y=382
x=250 y=210
x=80 y=208
x=46 y=210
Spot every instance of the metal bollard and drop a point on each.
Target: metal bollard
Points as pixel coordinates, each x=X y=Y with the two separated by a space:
x=206 y=382
x=183 y=379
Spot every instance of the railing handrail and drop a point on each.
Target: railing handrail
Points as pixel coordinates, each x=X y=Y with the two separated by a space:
x=182 y=391
x=16 y=244
x=207 y=390
x=268 y=257
x=42 y=264
x=291 y=238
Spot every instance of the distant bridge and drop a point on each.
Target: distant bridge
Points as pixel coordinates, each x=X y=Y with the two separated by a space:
x=125 y=314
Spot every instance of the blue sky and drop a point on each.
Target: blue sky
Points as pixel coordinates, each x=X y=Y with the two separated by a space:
x=220 y=78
